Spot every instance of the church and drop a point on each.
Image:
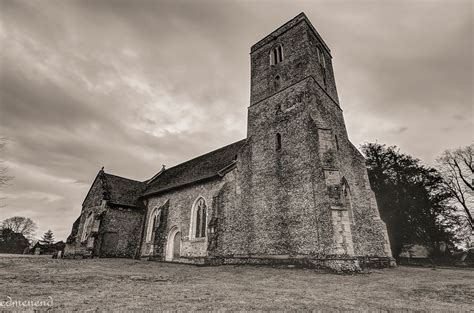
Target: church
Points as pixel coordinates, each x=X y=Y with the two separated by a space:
x=295 y=191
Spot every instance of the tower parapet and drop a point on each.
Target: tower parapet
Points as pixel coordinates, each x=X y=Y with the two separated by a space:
x=290 y=54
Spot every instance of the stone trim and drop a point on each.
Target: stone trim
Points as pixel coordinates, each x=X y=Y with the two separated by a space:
x=192 y=224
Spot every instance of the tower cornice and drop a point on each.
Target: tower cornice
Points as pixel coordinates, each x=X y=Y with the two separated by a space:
x=287 y=26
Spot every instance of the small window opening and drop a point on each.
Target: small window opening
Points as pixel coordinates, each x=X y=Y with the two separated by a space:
x=337 y=143
x=276 y=83
x=276 y=55
x=278 y=142
x=319 y=54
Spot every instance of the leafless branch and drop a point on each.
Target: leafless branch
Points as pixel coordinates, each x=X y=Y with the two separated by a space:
x=458 y=170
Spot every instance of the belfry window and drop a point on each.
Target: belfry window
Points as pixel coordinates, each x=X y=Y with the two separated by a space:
x=199 y=219
x=276 y=55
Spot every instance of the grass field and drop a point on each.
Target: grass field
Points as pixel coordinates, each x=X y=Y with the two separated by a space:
x=121 y=284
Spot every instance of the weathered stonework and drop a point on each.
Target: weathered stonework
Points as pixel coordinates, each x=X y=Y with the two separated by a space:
x=115 y=228
x=295 y=191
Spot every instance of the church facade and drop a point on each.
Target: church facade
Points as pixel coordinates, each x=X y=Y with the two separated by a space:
x=295 y=191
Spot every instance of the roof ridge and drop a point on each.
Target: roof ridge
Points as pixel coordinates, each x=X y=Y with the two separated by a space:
x=200 y=168
x=202 y=155
x=138 y=181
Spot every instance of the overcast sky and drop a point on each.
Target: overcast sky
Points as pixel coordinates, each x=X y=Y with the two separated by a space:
x=131 y=85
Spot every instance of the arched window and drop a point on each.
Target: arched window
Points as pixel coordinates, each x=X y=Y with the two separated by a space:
x=346 y=199
x=276 y=55
x=87 y=227
x=153 y=223
x=198 y=219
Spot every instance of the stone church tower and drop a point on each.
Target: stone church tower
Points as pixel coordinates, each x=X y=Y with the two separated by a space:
x=295 y=191
x=306 y=186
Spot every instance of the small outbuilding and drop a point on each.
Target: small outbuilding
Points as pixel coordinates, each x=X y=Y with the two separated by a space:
x=48 y=249
x=11 y=242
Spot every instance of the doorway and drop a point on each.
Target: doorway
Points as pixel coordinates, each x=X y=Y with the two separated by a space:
x=173 y=247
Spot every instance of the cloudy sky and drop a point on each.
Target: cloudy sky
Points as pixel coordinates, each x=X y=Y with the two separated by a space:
x=131 y=85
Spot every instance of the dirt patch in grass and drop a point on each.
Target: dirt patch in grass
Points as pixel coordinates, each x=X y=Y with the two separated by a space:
x=122 y=284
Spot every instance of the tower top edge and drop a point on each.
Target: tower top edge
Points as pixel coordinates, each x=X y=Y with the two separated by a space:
x=285 y=27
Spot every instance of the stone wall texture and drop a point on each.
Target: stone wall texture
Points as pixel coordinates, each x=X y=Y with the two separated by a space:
x=296 y=192
x=180 y=203
x=299 y=189
x=114 y=231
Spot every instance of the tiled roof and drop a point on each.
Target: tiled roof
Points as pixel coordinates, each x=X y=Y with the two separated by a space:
x=123 y=191
x=203 y=167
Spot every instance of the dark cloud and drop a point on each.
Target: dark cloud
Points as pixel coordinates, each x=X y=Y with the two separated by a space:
x=130 y=85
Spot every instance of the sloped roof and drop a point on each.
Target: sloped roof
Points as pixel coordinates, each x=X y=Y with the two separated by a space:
x=123 y=191
x=200 y=168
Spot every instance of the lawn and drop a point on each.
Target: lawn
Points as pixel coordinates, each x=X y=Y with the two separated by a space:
x=122 y=284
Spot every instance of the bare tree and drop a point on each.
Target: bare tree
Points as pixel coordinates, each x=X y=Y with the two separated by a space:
x=457 y=169
x=20 y=224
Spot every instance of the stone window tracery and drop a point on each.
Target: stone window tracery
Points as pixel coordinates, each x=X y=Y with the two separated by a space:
x=199 y=219
x=153 y=223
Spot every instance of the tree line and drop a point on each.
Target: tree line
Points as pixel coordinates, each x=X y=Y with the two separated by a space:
x=422 y=204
